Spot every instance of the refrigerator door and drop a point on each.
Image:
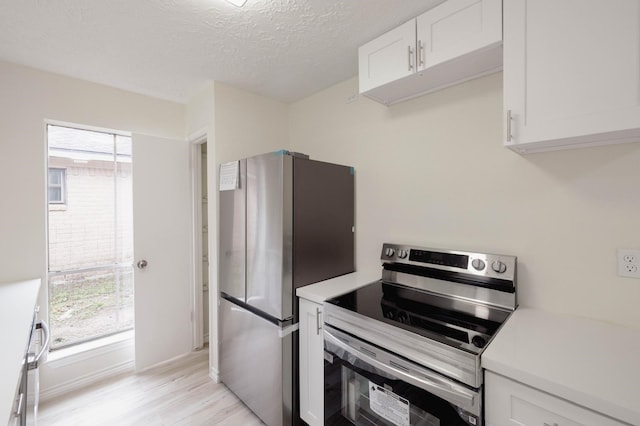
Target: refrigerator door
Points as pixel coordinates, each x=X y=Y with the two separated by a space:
x=232 y=236
x=255 y=362
x=323 y=221
x=269 y=246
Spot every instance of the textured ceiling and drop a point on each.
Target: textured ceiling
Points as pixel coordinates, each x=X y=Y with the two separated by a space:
x=284 y=49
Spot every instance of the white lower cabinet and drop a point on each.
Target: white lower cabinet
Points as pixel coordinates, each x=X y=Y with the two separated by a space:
x=311 y=363
x=508 y=402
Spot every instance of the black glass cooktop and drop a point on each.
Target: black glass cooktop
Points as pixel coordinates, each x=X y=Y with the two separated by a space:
x=411 y=310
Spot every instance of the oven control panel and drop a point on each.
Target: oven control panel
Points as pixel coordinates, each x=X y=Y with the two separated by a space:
x=490 y=265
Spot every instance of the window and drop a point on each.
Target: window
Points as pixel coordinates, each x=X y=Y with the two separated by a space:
x=57 y=179
x=90 y=241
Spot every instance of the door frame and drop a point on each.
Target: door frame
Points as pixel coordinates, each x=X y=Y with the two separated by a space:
x=197 y=315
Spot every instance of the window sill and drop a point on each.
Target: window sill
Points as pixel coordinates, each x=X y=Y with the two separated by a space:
x=57 y=207
x=117 y=342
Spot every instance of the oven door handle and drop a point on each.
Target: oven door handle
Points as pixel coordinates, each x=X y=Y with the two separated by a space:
x=422 y=378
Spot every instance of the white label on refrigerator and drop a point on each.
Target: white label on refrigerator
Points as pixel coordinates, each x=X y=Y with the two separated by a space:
x=229 y=176
x=388 y=405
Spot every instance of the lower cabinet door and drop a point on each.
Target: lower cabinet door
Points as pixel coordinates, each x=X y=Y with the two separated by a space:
x=511 y=403
x=311 y=363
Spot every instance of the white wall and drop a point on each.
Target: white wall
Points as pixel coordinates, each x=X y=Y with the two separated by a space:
x=28 y=98
x=432 y=171
x=247 y=124
x=199 y=113
x=239 y=124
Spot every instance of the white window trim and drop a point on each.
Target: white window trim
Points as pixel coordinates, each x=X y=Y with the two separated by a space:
x=102 y=344
x=62 y=185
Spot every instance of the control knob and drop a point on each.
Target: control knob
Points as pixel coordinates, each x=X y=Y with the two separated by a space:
x=478 y=264
x=498 y=266
x=403 y=317
x=478 y=341
x=389 y=252
x=402 y=253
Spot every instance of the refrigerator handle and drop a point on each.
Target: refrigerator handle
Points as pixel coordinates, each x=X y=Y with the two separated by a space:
x=284 y=324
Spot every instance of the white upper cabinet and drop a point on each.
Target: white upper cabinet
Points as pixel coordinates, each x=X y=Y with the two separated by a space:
x=388 y=58
x=456 y=28
x=453 y=42
x=571 y=73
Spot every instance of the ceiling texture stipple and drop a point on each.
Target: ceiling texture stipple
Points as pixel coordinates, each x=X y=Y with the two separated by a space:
x=283 y=49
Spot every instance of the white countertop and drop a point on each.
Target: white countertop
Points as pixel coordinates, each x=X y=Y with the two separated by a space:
x=590 y=363
x=319 y=292
x=17 y=301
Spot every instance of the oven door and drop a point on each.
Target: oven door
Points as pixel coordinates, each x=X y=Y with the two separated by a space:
x=366 y=385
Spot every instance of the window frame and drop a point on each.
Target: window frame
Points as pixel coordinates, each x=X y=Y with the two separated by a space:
x=118 y=269
x=62 y=186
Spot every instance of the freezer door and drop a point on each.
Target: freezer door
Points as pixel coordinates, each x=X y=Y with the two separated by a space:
x=232 y=235
x=269 y=193
x=256 y=359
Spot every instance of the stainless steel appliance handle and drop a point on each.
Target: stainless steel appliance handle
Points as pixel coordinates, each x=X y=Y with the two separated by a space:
x=420 y=378
x=18 y=411
x=33 y=362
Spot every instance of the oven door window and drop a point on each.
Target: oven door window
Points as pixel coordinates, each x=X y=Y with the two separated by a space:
x=363 y=395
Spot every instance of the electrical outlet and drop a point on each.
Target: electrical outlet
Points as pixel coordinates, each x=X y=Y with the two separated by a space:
x=629 y=263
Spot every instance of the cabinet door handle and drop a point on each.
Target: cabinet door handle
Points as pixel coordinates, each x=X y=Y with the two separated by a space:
x=318 y=321
x=410 y=56
x=420 y=54
x=508 y=125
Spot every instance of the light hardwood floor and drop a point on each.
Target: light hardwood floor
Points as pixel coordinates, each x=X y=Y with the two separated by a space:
x=178 y=393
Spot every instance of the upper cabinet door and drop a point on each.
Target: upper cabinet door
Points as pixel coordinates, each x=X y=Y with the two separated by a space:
x=571 y=73
x=389 y=57
x=456 y=28
x=453 y=42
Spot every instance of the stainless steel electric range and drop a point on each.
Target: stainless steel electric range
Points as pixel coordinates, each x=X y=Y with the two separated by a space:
x=405 y=350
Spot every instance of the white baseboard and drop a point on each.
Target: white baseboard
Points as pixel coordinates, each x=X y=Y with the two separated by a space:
x=88 y=379
x=165 y=362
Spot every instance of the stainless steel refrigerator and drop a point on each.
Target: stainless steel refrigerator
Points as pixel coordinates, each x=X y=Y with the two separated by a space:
x=285 y=221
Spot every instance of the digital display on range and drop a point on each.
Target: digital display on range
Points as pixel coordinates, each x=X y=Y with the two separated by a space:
x=437 y=258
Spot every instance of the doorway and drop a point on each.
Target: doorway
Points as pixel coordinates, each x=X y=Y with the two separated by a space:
x=201 y=242
x=205 y=242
